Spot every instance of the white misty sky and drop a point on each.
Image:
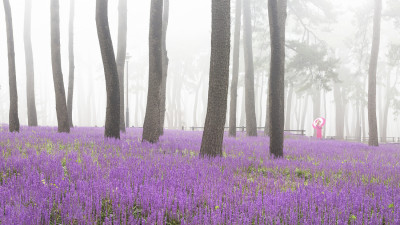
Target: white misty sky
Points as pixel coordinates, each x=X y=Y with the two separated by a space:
x=188 y=36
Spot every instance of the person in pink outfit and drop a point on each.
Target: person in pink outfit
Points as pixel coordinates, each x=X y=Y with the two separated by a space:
x=318 y=124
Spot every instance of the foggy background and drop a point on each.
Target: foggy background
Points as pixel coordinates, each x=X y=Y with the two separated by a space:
x=188 y=46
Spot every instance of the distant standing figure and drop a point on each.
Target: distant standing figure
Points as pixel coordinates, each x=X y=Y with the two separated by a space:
x=318 y=124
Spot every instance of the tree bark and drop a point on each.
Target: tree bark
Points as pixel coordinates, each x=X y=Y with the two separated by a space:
x=373 y=130
x=211 y=145
x=277 y=19
x=288 y=108
x=61 y=103
x=251 y=122
x=71 y=61
x=165 y=61
x=13 y=114
x=110 y=71
x=151 y=126
x=121 y=56
x=30 y=71
x=235 y=70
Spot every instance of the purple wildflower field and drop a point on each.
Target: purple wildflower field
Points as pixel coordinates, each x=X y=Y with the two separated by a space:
x=82 y=178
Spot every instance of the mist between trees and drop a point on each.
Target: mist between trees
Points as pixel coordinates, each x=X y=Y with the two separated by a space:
x=327 y=64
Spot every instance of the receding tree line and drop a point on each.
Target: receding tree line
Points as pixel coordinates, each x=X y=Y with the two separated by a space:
x=153 y=126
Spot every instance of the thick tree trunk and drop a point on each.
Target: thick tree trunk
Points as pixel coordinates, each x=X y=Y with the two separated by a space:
x=165 y=61
x=373 y=130
x=110 y=71
x=71 y=61
x=235 y=70
x=121 y=56
x=251 y=122
x=151 y=126
x=288 y=108
x=277 y=19
x=213 y=134
x=30 y=71
x=13 y=115
x=61 y=103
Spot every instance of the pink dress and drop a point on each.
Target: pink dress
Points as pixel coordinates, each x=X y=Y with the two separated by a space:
x=319 y=131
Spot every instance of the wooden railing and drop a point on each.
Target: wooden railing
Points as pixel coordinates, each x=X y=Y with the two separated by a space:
x=366 y=139
x=243 y=129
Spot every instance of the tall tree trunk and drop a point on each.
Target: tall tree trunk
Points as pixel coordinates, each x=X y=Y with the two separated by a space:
x=303 y=117
x=346 y=119
x=277 y=19
x=30 y=71
x=235 y=70
x=213 y=135
x=288 y=108
x=357 y=126
x=267 y=123
x=121 y=56
x=165 y=61
x=242 y=121
x=325 y=114
x=339 y=111
x=151 y=126
x=316 y=106
x=71 y=61
x=373 y=130
x=261 y=102
x=251 y=122
x=61 y=103
x=386 y=109
x=110 y=71
x=13 y=115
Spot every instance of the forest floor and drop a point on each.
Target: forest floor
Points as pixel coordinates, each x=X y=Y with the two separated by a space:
x=82 y=178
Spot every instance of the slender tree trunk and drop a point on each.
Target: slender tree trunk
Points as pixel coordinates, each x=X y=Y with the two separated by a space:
x=277 y=19
x=346 y=119
x=13 y=115
x=30 y=71
x=121 y=56
x=267 y=122
x=303 y=117
x=235 y=70
x=316 y=106
x=110 y=71
x=242 y=121
x=357 y=126
x=288 y=108
x=261 y=102
x=165 y=61
x=251 y=122
x=339 y=112
x=71 y=61
x=325 y=114
x=373 y=130
x=213 y=134
x=151 y=126
x=61 y=103
x=386 y=109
